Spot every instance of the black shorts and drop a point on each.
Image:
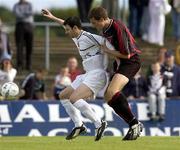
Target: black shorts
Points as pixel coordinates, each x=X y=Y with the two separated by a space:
x=128 y=67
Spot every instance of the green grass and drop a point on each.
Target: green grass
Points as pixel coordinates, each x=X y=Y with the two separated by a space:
x=87 y=143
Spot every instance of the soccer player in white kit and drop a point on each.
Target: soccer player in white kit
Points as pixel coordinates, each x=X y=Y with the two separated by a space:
x=88 y=84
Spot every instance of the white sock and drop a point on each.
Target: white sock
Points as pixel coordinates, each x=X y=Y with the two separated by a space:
x=88 y=112
x=73 y=112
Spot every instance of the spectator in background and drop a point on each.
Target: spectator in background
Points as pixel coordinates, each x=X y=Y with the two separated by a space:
x=156 y=93
x=176 y=18
x=145 y=19
x=7 y=67
x=74 y=71
x=135 y=16
x=23 y=32
x=33 y=86
x=171 y=74
x=62 y=80
x=137 y=87
x=7 y=72
x=161 y=56
x=4 y=43
x=160 y=59
x=83 y=9
x=157 y=10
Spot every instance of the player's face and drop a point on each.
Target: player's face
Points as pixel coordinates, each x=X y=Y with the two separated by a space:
x=98 y=24
x=69 y=31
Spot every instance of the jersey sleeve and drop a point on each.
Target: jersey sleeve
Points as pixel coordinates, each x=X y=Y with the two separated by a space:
x=123 y=41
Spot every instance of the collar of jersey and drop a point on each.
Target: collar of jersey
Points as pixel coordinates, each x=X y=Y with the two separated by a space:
x=106 y=29
x=80 y=34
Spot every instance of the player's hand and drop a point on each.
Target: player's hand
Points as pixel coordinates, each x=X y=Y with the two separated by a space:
x=46 y=13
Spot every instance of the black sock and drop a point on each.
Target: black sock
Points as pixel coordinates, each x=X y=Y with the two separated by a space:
x=120 y=105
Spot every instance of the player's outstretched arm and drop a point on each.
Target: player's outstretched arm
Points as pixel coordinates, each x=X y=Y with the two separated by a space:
x=48 y=14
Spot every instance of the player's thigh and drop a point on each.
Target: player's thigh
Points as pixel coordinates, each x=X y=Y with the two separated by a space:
x=66 y=93
x=116 y=84
x=82 y=92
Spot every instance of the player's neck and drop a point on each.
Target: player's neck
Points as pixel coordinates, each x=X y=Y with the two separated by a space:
x=79 y=32
x=108 y=23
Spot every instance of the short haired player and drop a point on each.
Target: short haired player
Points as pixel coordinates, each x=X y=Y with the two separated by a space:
x=126 y=65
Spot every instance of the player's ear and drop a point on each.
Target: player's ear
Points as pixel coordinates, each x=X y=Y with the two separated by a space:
x=75 y=27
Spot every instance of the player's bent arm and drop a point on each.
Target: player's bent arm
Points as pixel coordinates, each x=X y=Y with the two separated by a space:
x=108 y=48
x=115 y=53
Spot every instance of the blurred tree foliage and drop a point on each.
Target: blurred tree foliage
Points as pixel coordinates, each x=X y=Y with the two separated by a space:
x=168 y=27
x=7 y=15
x=61 y=13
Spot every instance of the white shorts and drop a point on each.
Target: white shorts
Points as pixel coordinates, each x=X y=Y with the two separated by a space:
x=95 y=80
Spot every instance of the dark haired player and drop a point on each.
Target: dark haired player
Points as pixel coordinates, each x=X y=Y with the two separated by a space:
x=88 y=84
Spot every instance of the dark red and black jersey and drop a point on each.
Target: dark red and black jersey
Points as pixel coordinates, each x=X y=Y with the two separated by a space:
x=120 y=37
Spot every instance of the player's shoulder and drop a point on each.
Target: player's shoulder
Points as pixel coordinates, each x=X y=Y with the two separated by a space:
x=91 y=36
x=86 y=33
x=117 y=24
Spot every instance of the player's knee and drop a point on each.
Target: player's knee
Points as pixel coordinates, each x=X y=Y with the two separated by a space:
x=62 y=96
x=72 y=99
x=109 y=94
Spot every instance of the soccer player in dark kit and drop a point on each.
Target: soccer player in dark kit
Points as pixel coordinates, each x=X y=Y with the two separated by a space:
x=126 y=65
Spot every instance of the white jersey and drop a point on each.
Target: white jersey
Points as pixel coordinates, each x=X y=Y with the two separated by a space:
x=89 y=49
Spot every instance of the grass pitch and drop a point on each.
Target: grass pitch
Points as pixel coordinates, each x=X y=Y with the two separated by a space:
x=87 y=143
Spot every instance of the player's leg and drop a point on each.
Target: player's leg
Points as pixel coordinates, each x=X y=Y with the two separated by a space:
x=77 y=98
x=74 y=114
x=72 y=111
x=119 y=103
x=66 y=93
x=115 y=98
